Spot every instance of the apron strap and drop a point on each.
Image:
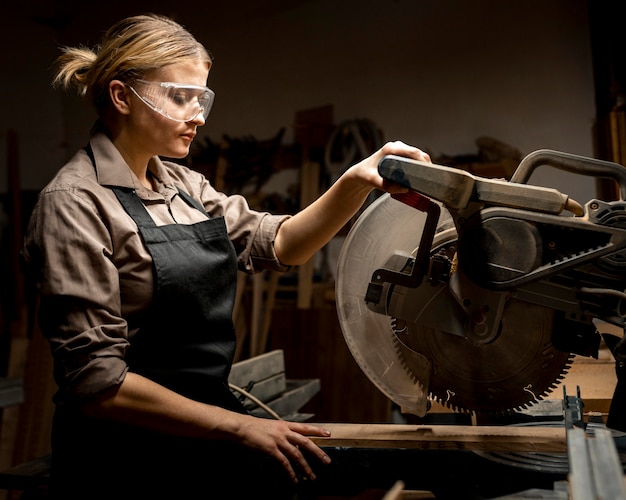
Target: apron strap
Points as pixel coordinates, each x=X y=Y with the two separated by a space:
x=134 y=207
x=192 y=202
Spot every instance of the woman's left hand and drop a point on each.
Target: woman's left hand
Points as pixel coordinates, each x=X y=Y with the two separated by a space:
x=301 y=236
x=366 y=171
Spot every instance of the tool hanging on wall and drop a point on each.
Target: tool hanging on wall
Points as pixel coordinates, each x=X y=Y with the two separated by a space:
x=349 y=143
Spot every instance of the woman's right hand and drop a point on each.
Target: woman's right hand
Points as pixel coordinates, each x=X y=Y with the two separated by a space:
x=286 y=442
x=142 y=402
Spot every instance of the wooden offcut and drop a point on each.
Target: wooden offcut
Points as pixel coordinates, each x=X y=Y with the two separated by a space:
x=441 y=437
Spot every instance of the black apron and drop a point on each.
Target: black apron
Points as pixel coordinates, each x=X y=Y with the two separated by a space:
x=186 y=343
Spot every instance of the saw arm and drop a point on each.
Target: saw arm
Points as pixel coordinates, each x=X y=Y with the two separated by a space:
x=459 y=190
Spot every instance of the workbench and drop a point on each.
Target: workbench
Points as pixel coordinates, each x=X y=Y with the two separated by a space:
x=441 y=459
x=559 y=453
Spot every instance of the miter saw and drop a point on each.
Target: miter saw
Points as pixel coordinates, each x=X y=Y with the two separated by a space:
x=478 y=293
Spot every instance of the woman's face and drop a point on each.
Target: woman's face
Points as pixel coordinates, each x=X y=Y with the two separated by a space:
x=155 y=133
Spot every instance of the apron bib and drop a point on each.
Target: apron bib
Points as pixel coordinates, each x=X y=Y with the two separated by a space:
x=187 y=341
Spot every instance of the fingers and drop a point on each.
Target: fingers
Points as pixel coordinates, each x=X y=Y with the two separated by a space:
x=310 y=430
x=293 y=451
x=401 y=149
x=296 y=447
x=287 y=442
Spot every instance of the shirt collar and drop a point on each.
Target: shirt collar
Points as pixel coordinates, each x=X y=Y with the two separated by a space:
x=112 y=170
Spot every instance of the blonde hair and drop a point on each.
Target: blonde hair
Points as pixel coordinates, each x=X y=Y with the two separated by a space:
x=129 y=49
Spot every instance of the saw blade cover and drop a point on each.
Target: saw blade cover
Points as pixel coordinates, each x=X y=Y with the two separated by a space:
x=384 y=227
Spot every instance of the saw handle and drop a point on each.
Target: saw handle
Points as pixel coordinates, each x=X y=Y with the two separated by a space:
x=571 y=163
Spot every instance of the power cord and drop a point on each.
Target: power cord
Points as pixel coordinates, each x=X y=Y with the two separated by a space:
x=255 y=400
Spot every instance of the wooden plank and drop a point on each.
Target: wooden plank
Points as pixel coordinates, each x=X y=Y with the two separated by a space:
x=264 y=288
x=397 y=492
x=266 y=317
x=441 y=437
x=309 y=191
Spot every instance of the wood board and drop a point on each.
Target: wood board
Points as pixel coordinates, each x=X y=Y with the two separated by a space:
x=454 y=437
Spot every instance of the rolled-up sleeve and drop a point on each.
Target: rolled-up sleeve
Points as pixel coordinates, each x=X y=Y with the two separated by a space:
x=252 y=232
x=69 y=247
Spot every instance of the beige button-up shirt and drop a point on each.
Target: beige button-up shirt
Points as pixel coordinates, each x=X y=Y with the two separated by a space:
x=93 y=272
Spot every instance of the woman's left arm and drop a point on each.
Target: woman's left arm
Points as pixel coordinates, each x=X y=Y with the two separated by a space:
x=299 y=237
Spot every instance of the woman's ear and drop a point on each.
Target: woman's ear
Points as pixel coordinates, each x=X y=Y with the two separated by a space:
x=119 y=93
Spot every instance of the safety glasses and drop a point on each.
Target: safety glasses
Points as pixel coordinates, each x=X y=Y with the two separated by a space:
x=178 y=102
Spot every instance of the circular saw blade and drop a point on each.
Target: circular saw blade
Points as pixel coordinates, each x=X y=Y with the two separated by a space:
x=514 y=370
x=412 y=363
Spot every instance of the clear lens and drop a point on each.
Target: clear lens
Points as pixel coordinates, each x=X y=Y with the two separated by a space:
x=178 y=102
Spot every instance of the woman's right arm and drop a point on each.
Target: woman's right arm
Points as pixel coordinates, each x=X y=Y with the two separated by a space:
x=144 y=403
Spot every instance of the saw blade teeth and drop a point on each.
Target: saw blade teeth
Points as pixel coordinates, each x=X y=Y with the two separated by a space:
x=482 y=398
x=397 y=327
x=403 y=362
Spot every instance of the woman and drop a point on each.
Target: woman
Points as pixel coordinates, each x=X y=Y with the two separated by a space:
x=136 y=260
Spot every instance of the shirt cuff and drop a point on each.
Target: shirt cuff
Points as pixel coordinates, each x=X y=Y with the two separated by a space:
x=263 y=255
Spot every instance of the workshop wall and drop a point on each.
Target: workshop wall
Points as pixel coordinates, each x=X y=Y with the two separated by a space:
x=438 y=74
